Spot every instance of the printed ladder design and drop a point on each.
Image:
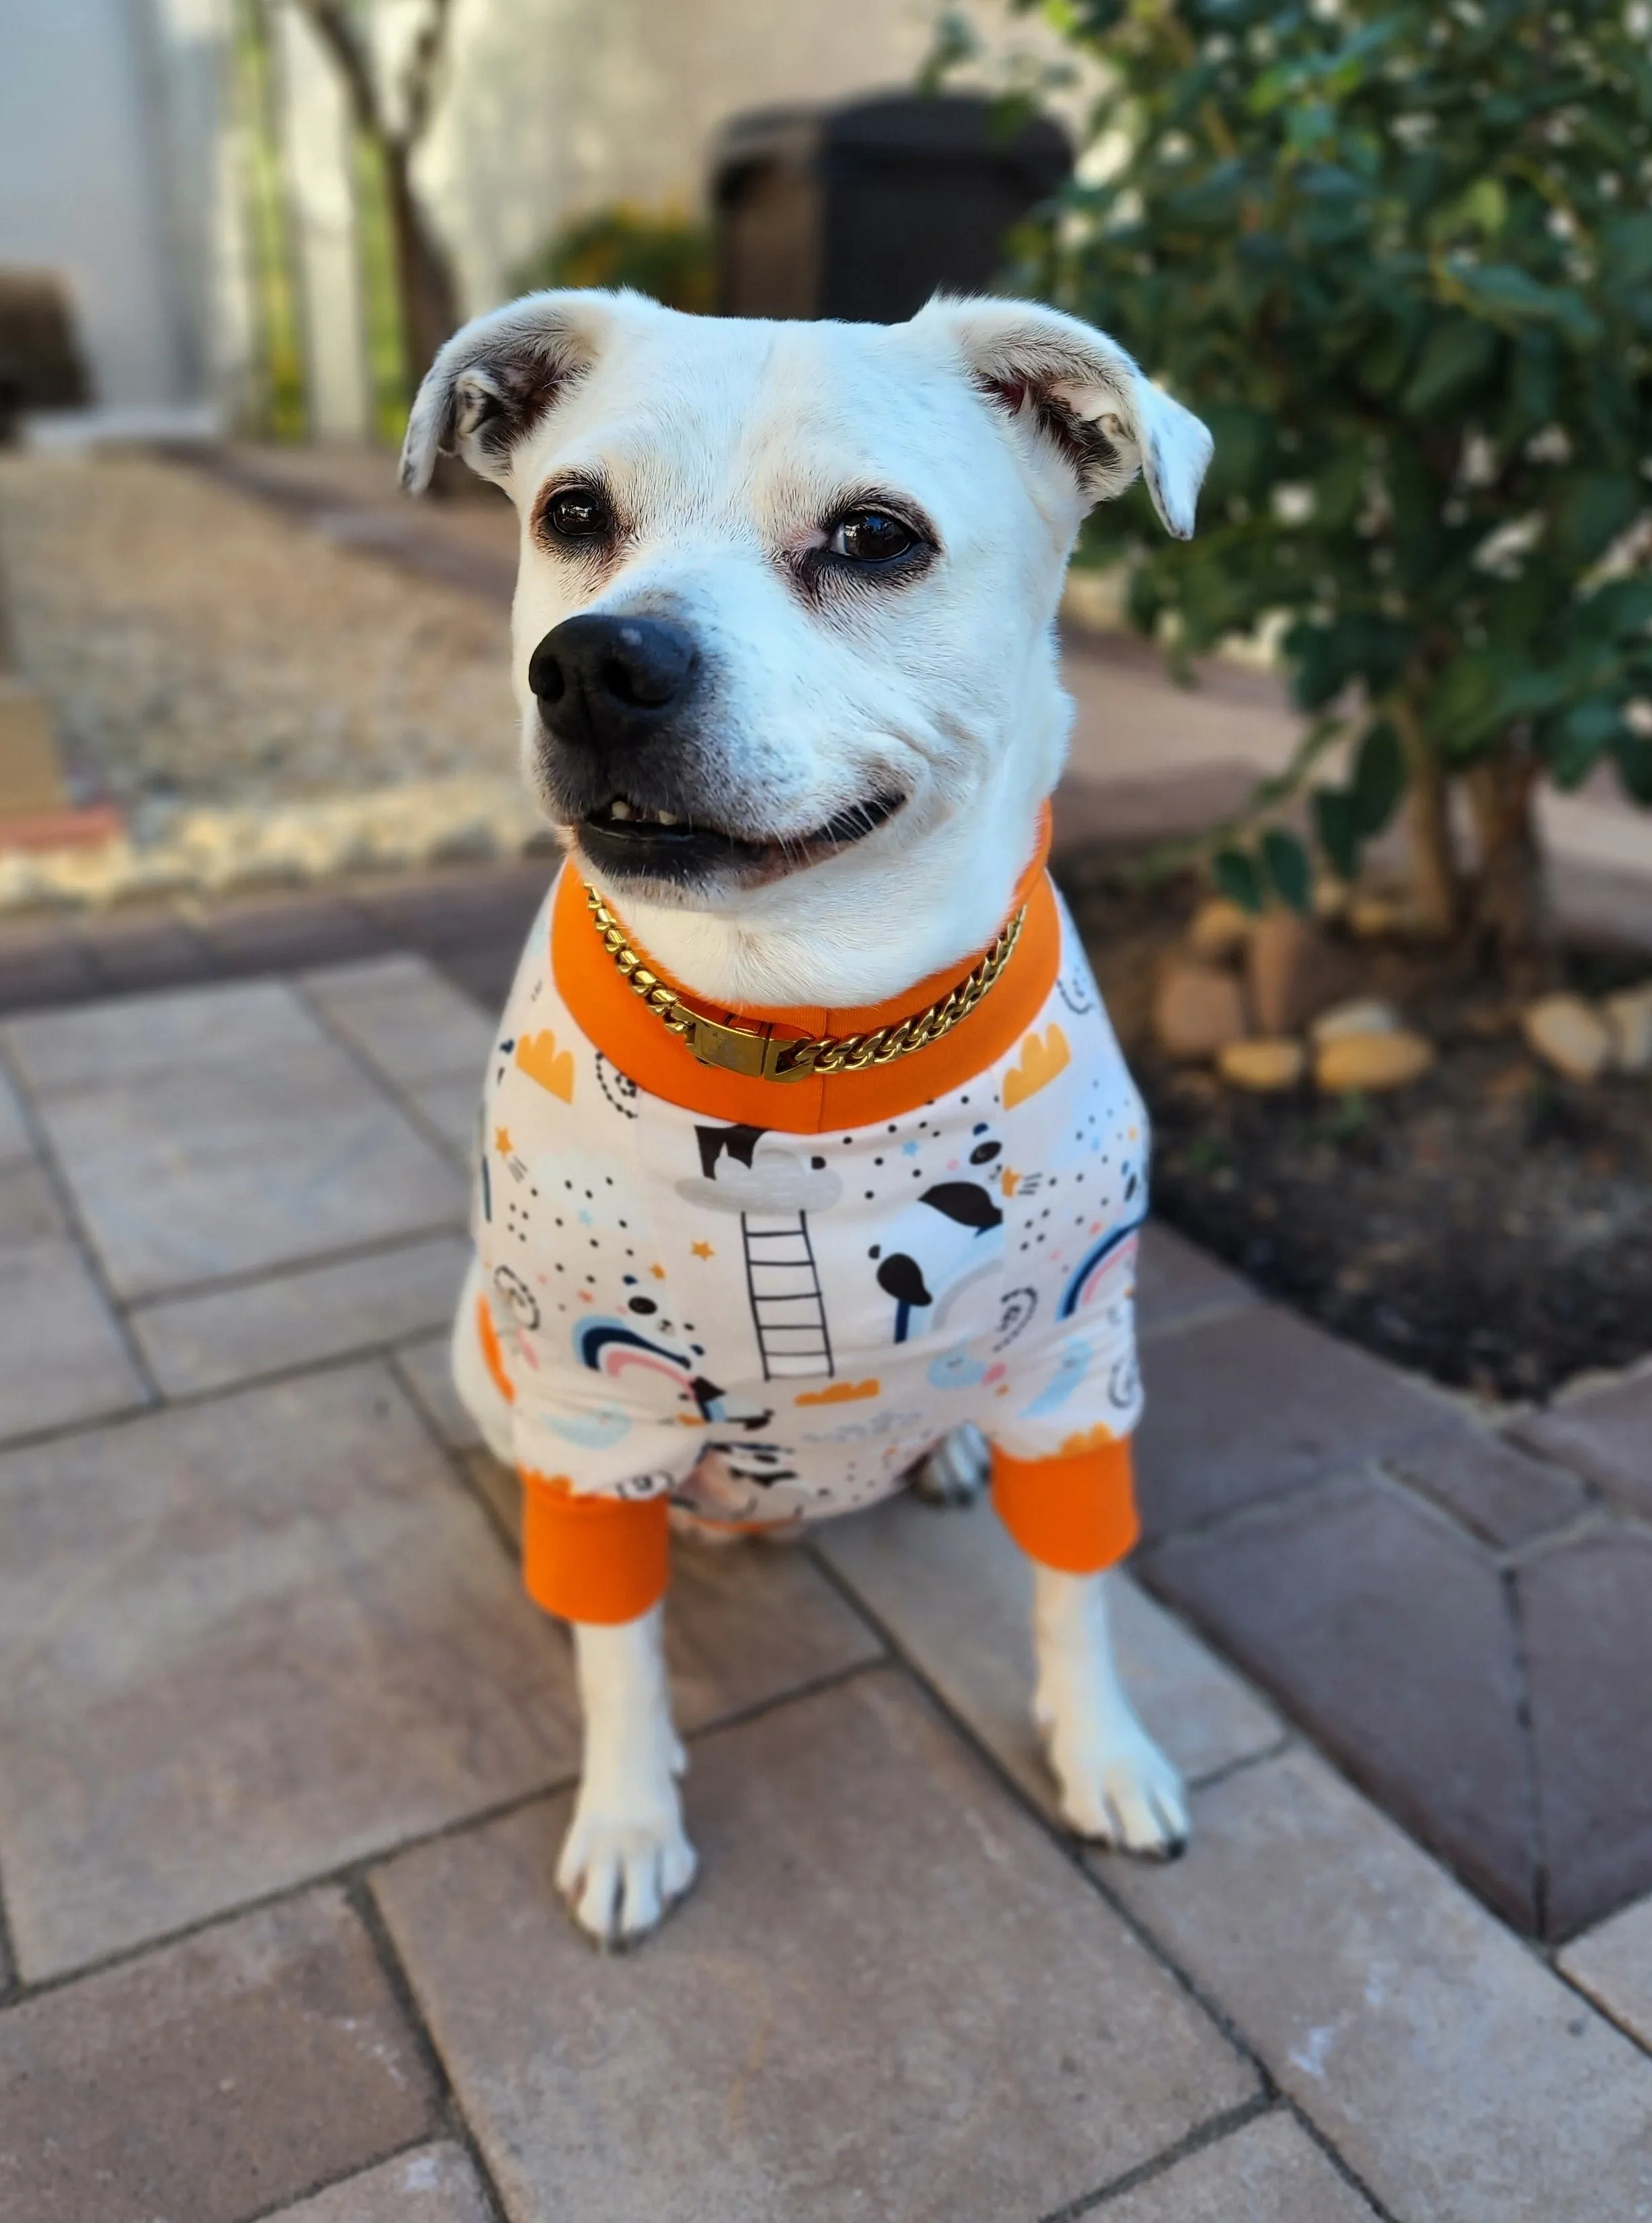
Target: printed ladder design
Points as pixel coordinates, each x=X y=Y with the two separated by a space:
x=787 y=1309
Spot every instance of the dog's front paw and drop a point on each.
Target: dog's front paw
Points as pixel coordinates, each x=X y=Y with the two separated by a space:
x=622 y=1869
x=1117 y=1787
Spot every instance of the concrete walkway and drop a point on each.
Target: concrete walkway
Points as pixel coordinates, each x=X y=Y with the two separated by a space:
x=284 y=1754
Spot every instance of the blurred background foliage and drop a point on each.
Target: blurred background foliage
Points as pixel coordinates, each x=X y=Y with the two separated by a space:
x=1399 y=257
x=660 y=252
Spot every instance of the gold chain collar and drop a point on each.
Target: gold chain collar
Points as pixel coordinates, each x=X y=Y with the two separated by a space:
x=764 y=1056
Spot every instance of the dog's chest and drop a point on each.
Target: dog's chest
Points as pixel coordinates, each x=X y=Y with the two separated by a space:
x=688 y=1259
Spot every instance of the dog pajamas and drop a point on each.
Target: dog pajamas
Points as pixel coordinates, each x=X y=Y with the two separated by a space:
x=765 y=1300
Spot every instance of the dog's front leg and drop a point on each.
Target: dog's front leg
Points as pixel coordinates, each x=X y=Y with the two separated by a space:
x=625 y=1860
x=1116 y=1786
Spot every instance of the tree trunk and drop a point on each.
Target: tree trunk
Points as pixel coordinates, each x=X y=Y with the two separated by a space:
x=425 y=285
x=1513 y=924
x=1435 y=885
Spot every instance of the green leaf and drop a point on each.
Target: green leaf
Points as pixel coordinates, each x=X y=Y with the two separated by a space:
x=1621 y=610
x=1581 y=738
x=1288 y=867
x=1236 y=876
x=1628 y=250
x=1325 y=657
x=1309 y=124
x=1509 y=295
x=1333 y=822
x=1593 y=509
x=1634 y=755
x=1464 y=707
x=1459 y=356
x=1379 y=779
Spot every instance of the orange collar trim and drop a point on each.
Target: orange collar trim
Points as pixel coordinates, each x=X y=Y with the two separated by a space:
x=621 y=1026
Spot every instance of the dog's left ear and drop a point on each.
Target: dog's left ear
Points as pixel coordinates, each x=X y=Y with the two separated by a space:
x=496 y=377
x=1072 y=386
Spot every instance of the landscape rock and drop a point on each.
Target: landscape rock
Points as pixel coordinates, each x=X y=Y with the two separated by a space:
x=1366 y=1015
x=1198 y=1010
x=1265 y=1066
x=1568 y=1034
x=1294 y=972
x=1389 y=1059
x=1218 y=930
x=1628 y=1017
x=1331 y=899
x=1377 y=918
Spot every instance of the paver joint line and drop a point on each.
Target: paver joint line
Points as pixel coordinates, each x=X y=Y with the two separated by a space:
x=379 y=1078
x=221 y=1393
x=360 y=1895
x=63 y=1195
x=1210 y=2133
x=288 y=1269
x=284 y=2203
x=345 y=1877
x=1072 y=1848
x=1509 y=1588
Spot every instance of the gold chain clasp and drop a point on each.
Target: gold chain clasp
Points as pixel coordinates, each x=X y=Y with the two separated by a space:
x=738 y=1049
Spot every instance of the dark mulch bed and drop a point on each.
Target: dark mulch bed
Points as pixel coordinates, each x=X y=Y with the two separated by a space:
x=1490 y=1226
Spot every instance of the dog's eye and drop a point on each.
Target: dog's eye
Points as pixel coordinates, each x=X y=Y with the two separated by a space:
x=577 y=513
x=871 y=536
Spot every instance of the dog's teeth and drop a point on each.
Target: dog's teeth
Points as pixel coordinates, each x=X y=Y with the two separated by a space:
x=666 y=818
x=619 y=810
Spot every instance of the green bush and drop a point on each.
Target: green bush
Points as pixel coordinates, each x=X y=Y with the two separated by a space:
x=1399 y=256
x=655 y=252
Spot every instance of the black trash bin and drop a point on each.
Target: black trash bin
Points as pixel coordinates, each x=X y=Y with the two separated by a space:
x=863 y=212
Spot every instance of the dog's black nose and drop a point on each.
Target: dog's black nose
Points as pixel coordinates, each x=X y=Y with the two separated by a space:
x=611 y=678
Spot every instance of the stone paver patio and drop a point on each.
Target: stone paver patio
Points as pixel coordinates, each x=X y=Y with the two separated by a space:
x=284 y=1754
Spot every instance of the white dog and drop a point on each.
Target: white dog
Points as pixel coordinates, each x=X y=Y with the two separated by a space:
x=783 y=643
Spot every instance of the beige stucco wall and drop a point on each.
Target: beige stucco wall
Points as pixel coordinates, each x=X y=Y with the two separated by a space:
x=556 y=106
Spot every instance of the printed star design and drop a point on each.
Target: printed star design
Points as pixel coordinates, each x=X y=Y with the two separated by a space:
x=909 y=1149
x=658 y=1273
x=699 y=1251
x=502 y=1142
x=585 y=1219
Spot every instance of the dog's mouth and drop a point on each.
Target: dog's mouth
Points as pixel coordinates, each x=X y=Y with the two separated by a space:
x=623 y=837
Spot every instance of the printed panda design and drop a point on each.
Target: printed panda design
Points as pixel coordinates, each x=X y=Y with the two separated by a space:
x=949 y=1237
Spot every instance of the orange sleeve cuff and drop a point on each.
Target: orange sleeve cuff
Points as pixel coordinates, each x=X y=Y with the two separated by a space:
x=592 y=1559
x=1076 y=1512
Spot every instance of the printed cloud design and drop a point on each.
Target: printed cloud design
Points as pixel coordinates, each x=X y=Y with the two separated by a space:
x=1043 y=1056
x=840 y=1393
x=541 y=1061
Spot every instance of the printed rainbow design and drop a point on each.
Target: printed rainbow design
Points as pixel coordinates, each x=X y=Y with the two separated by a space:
x=1082 y=1283
x=614 y=1347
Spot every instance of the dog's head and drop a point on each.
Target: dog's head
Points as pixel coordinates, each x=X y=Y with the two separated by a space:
x=786 y=591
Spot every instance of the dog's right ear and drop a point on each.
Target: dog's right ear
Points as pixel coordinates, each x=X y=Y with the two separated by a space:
x=495 y=379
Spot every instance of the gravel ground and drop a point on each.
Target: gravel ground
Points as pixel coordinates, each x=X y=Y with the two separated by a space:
x=262 y=704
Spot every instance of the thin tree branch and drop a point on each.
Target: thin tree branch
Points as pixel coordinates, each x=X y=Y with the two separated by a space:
x=330 y=22
x=424 y=67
